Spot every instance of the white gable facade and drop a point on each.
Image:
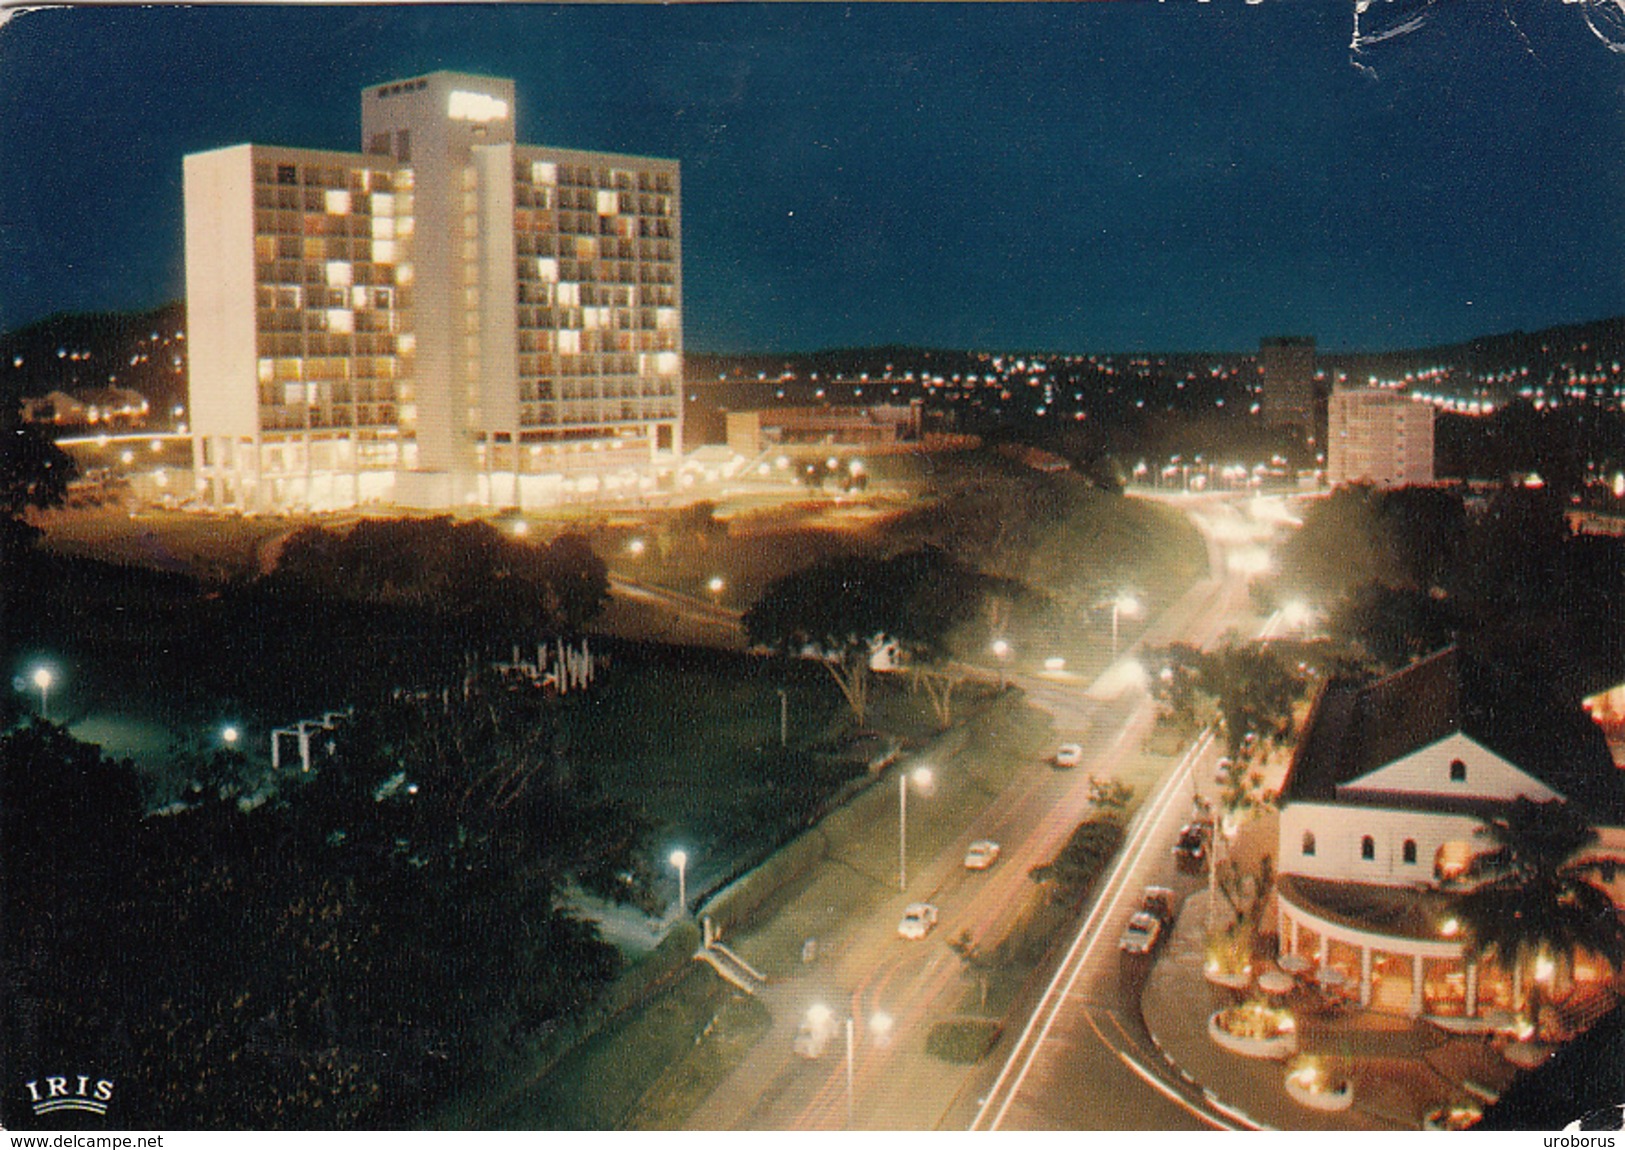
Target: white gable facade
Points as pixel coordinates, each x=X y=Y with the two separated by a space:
x=1381 y=830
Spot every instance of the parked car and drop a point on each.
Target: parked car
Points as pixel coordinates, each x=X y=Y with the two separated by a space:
x=1221 y=771
x=1141 y=934
x=918 y=919
x=981 y=854
x=1159 y=902
x=1068 y=755
x=1190 y=849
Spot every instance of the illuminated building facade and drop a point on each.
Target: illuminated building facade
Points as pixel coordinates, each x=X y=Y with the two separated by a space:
x=1381 y=824
x=447 y=318
x=1378 y=437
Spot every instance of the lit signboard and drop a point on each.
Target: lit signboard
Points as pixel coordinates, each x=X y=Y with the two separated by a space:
x=476 y=106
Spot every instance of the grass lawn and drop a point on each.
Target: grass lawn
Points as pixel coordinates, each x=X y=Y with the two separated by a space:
x=598 y=1086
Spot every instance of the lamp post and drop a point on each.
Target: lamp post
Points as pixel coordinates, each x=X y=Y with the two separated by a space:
x=1124 y=604
x=849 y=1071
x=679 y=859
x=229 y=736
x=784 y=718
x=922 y=776
x=1001 y=652
x=42 y=680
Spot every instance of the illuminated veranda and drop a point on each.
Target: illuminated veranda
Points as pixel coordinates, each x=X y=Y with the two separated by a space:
x=1401 y=947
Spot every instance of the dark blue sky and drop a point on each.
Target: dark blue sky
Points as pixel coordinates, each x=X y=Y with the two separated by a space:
x=1067 y=177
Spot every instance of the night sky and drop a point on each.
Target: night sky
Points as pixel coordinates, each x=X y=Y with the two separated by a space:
x=1096 y=177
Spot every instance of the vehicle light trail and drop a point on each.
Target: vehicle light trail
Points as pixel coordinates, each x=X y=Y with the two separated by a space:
x=1026 y=1049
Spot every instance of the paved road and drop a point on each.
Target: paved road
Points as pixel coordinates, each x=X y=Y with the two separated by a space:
x=1093 y=1065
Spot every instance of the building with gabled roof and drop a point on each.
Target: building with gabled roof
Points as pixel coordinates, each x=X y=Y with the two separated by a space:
x=1380 y=817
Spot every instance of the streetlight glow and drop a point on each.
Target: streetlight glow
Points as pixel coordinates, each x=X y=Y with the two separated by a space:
x=229 y=735
x=1124 y=604
x=679 y=859
x=922 y=777
x=43 y=679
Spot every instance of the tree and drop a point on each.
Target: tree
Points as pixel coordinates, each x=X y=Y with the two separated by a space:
x=34 y=472
x=1254 y=692
x=1539 y=901
x=1395 y=625
x=1250 y=688
x=855 y=612
x=577 y=581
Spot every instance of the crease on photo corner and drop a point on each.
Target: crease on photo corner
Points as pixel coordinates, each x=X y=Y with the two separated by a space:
x=1605 y=19
x=8 y=14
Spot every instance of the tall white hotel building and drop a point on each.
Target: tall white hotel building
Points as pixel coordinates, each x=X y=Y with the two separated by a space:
x=448 y=319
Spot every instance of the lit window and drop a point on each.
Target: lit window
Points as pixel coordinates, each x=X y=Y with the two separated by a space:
x=340 y=320
x=544 y=173
x=338 y=273
x=383 y=251
x=338 y=202
x=547 y=270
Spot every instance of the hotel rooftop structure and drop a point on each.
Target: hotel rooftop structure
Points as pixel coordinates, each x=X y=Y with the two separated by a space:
x=448 y=318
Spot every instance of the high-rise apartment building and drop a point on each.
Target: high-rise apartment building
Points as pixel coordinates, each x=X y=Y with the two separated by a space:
x=446 y=318
x=1288 y=399
x=1378 y=437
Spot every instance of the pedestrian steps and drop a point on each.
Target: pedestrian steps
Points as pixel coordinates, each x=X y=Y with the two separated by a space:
x=732 y=968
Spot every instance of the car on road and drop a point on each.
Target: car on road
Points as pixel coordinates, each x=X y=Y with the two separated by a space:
x=981 y=854
x=1142 y=933
x=918 y=919
x=1068 y=755
x=816 y=1029
x=1190 y=848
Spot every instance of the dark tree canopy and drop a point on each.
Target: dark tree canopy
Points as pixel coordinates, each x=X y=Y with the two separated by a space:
x=917 y=600
x=470 y=572
x=337 y=957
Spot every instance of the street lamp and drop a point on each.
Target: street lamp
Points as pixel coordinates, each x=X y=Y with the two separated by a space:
x=715 y=586
x=922 y=777
x=42 y=680
x=229 y=736
x=1001 y=651
x=784 y=718
x=679 y=859
x=1126 y=605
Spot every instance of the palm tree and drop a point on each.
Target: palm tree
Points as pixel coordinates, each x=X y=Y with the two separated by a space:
x=1538 y=903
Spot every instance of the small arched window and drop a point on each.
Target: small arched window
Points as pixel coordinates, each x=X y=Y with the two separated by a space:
x=1458 y=771
x=1368 y=847
x=1410 y=852
x=1309 y=843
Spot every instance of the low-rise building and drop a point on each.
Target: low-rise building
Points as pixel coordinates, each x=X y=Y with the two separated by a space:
x=1380 y=818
